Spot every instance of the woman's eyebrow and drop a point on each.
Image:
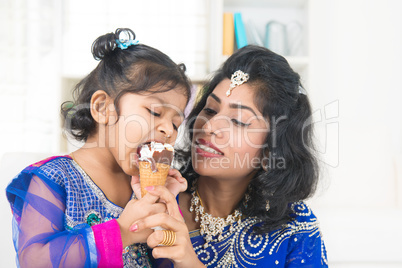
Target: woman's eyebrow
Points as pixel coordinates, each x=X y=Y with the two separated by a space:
x=239 y=106
x=215 y=97
x=233 y=105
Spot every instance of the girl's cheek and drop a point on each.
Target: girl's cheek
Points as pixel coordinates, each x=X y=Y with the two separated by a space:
x=133 y=132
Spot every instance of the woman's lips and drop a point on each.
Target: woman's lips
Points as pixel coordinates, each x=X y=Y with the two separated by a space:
x=207 y=149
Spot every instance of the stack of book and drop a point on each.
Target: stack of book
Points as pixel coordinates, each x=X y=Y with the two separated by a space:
x=233 y=29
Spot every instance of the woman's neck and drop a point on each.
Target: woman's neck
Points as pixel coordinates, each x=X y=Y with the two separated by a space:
x=221 y=197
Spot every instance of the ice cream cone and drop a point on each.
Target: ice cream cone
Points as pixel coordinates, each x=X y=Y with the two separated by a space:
x=150 y=178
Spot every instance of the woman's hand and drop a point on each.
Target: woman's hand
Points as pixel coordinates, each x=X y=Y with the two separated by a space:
x=135 y=210
x=175 y=183
x=181 y=253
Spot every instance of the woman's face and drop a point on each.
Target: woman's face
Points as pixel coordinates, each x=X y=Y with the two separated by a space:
x=229 y=134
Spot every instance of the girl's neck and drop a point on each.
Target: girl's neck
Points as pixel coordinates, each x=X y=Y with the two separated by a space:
x=221 y=197
x=100 y=157
x=105 y=172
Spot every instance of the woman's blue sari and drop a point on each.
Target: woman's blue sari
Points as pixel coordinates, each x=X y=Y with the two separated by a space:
x=298 y=244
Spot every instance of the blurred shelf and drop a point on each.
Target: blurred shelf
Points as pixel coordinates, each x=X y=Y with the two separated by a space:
x=267 y=3
x=298 y=62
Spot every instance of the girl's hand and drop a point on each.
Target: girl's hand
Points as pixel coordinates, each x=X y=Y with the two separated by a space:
x=135 y=210
x=181 y=253
x=175 y=183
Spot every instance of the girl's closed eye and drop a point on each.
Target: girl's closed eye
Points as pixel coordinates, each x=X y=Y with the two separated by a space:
x=153 y=113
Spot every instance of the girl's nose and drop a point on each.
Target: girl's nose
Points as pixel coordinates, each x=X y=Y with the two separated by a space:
x=166 y=129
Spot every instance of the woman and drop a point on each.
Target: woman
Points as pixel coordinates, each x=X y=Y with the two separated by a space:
x=251 y=165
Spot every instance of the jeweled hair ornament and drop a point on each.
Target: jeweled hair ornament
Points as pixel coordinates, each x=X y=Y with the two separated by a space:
x=238 y=78
x=302 y=90
x=126 y=39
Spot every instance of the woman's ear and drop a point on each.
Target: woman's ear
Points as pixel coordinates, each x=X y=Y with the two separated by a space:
x=100 y=101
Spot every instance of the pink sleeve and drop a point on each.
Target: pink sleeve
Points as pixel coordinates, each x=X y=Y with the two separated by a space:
x=109 y=244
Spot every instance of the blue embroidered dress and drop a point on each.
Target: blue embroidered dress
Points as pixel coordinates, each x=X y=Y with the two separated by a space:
x=55 y=206
x=298 y=244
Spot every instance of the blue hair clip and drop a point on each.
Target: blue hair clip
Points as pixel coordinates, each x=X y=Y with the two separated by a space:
x=124 y=44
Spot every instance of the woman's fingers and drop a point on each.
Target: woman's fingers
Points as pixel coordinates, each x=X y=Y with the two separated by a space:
x=140 y=209
x=150 y=198
x=173 y=245
x=157 y=208
x=157 y=237
x=167 y=197
x=168 y=252
x=160 y=219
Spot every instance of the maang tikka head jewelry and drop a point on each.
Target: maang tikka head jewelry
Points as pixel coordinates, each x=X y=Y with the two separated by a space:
x=238 y=78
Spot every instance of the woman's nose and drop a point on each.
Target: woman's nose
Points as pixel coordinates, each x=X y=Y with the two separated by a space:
x=213 y=126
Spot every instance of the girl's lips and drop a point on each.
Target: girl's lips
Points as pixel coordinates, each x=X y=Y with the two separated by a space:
x=147 y=142
x=207 y=149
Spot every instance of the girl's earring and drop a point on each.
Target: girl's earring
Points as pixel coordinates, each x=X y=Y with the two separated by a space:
x=267 y=206
x=167 y=137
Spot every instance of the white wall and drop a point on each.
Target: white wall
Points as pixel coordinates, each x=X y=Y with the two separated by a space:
x=356 y=54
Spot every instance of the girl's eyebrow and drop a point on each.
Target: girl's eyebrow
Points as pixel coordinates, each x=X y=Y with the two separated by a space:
x=233 y=105
x=164 y=104
x=157 y=98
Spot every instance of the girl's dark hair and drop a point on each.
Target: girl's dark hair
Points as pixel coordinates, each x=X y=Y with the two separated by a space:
x=136 y=69
x=278 y=98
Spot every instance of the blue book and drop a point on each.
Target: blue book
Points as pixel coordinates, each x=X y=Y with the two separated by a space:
x=240 y=31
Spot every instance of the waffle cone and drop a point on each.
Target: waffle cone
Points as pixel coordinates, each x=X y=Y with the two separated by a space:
x=149 y=178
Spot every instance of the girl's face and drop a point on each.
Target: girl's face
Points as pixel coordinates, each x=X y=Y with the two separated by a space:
x=143 y=118
x=229 y=134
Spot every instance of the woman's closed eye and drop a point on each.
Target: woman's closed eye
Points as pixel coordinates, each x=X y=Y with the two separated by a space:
x=210 y=111
x=239 y=123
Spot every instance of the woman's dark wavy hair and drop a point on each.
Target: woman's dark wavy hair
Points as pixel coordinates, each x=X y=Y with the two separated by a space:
x=137 y=69
x=277 y=97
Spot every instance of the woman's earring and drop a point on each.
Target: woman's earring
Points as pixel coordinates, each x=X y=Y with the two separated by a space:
x=264 y=164
x=267 y=206
x=247 y=196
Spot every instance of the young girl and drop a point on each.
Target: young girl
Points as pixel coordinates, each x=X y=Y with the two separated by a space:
x=76 y=210
x=251 y=166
